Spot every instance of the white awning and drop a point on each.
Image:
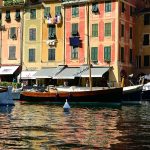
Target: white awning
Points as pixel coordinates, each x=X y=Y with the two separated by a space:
x=45 y=73
x=27 y=75
x=67 y=73
x=8 y=70
x=95 y=72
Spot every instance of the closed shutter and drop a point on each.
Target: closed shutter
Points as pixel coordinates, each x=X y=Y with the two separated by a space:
x=46 y=12
x=94 y=53
x=107 y=53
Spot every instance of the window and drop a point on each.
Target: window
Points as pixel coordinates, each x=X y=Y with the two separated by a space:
x=130 y=32
x=51 y=54
x=57 y=10
x=46 y=12
x=12 y=52
x=12 y=34
x=52 y=32
x=131 y=11
x=146 y=39
x=74 y=29
x=147 y=19
x=33 y=14
x=138 y=61
x=32 y=34
x=122 y=30
x=95 y=7
x=94 y=30
x=94 y=53
x=130 y=56
x=17 y=15
x=108 y=6
x=146 y=60
x=74 y=52
x=122 y=7
x=107 y=53
x=122 y=54
x=32 y=55
x=75 y=11
x=107 y=29
x=8 y=15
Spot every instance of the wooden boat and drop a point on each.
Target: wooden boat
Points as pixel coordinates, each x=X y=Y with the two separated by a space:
x=97 y=95
x=132 y=93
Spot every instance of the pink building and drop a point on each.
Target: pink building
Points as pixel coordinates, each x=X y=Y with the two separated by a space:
x=106 y=29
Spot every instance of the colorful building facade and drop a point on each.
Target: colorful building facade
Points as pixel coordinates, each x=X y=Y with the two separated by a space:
x=11 y=39
x=109 y=28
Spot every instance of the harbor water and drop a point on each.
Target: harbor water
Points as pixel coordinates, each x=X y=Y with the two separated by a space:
x=48 y=127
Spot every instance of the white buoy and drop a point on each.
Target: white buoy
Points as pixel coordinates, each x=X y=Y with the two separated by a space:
x=66 y=107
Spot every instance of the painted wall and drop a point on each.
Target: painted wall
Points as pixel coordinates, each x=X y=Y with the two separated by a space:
x=6 y=41
x=37 y=44
x=59 y=46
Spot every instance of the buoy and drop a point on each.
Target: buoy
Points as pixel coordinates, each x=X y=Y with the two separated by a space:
x=66 y=107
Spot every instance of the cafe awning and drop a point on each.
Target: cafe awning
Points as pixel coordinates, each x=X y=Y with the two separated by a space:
x=8 y=70
x=95 y=72
x=45 y=73
x=27 y=75
x=67 y=73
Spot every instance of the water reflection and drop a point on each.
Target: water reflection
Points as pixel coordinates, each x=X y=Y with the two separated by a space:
x=48 y=127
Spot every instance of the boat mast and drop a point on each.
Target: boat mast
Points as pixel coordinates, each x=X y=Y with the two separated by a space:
x=88 y=48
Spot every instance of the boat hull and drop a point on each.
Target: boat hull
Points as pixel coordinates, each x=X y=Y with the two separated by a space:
x=98 y=96
x=146 y=95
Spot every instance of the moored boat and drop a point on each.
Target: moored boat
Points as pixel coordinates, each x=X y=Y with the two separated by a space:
x=146 y=91
x=6 y=96
x=132 y=93
x=97 y=95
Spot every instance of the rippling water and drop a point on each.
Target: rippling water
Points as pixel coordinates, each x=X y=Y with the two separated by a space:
x=47 y=127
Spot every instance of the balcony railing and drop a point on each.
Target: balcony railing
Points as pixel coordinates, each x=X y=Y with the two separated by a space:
x=13 y=2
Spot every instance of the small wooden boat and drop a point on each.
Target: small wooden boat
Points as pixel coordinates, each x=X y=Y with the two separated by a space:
x=97 y=95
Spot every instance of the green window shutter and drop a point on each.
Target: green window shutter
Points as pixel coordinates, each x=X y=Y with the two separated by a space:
x=12 y=32
x=95 y=7
x=31 y=55
x=12 y=52
x=107 y=53
x=46 y=12
x=51 y=54
x=74 y=53
x=107 y=29
x=33 y=14
x=94 y=30
x=8 y=15
x=122 y=54
x=57 y=10
x=52 y=32
x=17 y=14
x=94 y=53
x=75 y=11
x=32 y=34
x=108 y=6
x=75 y=29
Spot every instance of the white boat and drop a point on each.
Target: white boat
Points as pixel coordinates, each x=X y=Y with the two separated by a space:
x=146 y=91
x=16 y=93
x=6 y=96
x=132 y=93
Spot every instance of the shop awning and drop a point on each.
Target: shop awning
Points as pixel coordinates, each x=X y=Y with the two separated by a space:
x=8 y=70
x=67 y=73
x=95 y=72
x=45 y=73
x=27 y=75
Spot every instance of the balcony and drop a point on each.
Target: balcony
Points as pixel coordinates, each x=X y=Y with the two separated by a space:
x=13 y=2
